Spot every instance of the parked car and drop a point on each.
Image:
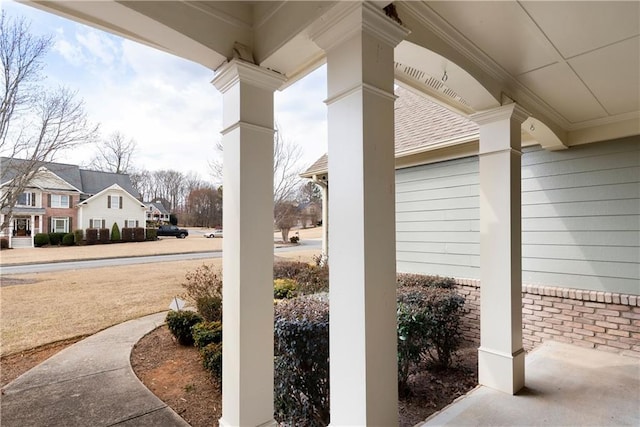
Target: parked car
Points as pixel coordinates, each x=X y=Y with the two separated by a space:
x=215 y=233
x=172 y=230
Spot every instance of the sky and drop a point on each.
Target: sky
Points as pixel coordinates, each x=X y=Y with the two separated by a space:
x=165 y=103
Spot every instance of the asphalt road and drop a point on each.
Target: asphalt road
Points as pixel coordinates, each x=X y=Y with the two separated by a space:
x=108 y=262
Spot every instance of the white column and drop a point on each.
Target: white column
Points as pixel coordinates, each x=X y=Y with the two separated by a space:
x=363 y=345
x=324 y=187
x=247 y=358
x=32 y=229
x=500 y=356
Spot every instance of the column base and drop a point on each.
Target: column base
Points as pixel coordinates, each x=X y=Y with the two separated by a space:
x=270 y=423
x=501 y=371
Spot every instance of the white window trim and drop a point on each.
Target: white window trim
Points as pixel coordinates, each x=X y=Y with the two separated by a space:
x=115 y=202
x=28 y=199
x=60 y=197
x=60 y=218
x=92 y=222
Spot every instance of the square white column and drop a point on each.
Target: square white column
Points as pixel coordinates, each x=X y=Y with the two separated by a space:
x=359 y=43
x=501 y=356
x=247 y=358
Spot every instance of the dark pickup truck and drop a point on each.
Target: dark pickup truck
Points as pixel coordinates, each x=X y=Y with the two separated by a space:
x=172 y=230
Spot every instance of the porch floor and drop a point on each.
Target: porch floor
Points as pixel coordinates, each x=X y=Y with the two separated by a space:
x=566 y=385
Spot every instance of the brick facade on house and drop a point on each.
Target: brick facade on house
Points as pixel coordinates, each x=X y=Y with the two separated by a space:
x=604 y=321
x=71 y=212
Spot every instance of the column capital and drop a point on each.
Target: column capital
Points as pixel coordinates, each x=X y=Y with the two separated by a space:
x=501 y=113
x=238 y=70
x=350 y=18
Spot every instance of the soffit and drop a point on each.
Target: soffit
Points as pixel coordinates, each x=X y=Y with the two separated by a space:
x=576 y=63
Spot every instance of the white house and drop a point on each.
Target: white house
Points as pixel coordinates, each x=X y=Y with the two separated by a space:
x=564 y=73
x=63 y=198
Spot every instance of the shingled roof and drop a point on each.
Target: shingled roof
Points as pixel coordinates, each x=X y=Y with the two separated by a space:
x=420 y=124
x=86 y=181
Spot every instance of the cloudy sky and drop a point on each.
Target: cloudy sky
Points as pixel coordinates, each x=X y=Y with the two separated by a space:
x=166 y=104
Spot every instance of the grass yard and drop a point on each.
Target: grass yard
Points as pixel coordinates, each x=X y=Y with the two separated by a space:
x=54 y=306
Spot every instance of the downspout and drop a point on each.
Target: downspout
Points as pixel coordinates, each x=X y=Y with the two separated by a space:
x=323 y=182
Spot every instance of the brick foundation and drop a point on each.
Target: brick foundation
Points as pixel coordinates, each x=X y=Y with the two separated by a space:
x=605 y=321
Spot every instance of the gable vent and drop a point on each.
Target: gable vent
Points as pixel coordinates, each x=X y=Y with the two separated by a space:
x=435 y=86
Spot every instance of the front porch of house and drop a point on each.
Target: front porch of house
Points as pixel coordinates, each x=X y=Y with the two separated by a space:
x=23 y=226
x=258 y=48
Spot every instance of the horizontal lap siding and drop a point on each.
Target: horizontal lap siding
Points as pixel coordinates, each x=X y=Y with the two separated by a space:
x=580 y=217
x=437 y=219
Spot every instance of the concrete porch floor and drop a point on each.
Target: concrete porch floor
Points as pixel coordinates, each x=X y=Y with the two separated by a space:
x=565 y=386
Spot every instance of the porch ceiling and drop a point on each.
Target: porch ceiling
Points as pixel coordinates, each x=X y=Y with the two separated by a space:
x=574 y=65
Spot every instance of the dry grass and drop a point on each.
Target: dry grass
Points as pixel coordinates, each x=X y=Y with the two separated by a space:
x=38 y=309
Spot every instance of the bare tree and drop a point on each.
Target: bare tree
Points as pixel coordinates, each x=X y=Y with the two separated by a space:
x=35 y=124
x=114 y=154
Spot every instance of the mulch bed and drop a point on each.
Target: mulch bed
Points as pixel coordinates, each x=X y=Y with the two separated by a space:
x=175 y=374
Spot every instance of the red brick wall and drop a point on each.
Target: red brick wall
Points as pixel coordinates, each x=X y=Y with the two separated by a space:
x=71 y=212
x=605 y=321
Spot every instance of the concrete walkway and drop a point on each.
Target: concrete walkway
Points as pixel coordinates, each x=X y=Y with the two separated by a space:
x=90 y=383
x=565 y=386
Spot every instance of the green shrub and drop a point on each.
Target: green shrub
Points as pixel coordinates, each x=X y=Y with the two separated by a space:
x=91 y=236
x=103 y=235
x=212 y=359
x=205 y=333
x=79 y=236
x=310 y=279
x=152 y=234
x=115 y=232
x=126 y=234
x=41 y=239
x=428 y=327
x=138 y=234
x=301 y=338
x=421 y=280
x=4 y=243
x=210 y=307
x=180 y=323
x=284 y=288
x=204 y=281
x=69 y=239
x=56 y=238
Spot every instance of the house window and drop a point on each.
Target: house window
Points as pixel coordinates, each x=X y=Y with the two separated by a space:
x=60 y=225
x=114 y=202
x=59 y=201
x=97 y=223
x=130 y=223
x=26 y=199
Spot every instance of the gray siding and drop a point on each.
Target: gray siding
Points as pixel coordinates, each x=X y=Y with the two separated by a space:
x=580 y=217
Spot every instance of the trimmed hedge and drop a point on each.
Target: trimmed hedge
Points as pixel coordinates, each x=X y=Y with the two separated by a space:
x=301 y=339
x=79 y=236
x=4 y=243
x=69 y=239
x=92 y=236
x=41 y=239
x=115 y=232
x=152 y=234
x=180 y=324
x=104 y=235
x=205 y=333
x=310 y=279
x=420 y=280
x=56 y=238
x=126 y=235
x=138 y=234
x=212 y=359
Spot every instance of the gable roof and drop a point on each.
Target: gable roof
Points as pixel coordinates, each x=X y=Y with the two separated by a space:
x=419 y=124
x=86 y=181
x=159 y=206
x=111 y=188
x=94 y=182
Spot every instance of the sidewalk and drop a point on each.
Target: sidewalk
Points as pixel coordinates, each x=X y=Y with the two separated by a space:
x=90 y=383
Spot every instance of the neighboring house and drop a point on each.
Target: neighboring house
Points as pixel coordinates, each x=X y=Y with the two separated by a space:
x=309 y=213
x=155 y=211
x=63 y=198
x=580 y=222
